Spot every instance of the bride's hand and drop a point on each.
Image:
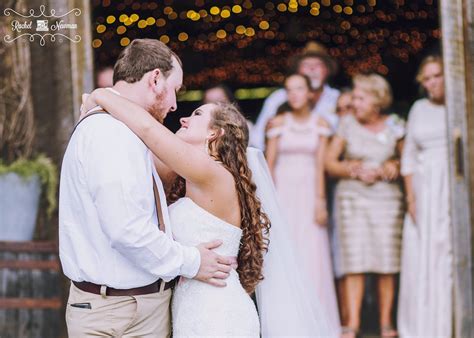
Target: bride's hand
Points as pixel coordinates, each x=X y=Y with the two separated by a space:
x=214 y=269
x=88 y=102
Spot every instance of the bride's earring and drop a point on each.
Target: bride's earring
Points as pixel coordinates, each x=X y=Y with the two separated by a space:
x=206 y=146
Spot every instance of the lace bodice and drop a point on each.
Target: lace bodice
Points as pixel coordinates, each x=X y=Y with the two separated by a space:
x=199 y=309
x=193 y=225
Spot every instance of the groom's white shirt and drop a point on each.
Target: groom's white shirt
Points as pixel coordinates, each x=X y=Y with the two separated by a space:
x=108 y=227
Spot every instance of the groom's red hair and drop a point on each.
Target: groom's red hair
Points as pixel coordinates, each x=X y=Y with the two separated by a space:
x=142 y=56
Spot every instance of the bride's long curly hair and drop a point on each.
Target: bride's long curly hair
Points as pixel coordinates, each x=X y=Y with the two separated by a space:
x=231 y=148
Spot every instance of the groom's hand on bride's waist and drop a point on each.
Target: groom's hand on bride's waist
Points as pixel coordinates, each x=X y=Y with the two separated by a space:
x=214 y=269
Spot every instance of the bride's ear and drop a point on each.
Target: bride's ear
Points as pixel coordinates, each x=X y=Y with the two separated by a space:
x=215 y=134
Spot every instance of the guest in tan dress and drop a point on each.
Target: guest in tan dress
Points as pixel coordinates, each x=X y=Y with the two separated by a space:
x=364 y=155
x=343 y=108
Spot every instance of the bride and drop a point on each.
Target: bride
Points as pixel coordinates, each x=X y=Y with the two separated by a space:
x=217 y=198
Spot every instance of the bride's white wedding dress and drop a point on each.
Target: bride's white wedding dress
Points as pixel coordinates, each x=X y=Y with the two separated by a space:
x=199 y=309
x=288 y=303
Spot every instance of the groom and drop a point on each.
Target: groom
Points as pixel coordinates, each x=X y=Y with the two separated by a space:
x=115 y=239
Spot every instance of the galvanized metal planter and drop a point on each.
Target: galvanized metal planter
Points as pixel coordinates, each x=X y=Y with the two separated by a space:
x=19 y=200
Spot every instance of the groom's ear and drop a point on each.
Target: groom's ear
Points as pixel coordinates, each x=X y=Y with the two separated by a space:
x=154 y=77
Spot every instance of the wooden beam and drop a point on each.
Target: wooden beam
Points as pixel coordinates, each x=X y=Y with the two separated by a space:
x=30 y=265
x=30 y=303
x=33 y=246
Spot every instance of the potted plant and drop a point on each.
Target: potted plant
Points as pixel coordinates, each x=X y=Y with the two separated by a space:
x=22 y=183
x=22 y=174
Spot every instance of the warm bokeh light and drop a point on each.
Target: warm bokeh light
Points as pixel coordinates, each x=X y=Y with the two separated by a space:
x=160 y=22
x=150 y=21
x=121 y=29
x=281 y=7
x=221 y=34
x=214 y=10
x=237 y=38
x=240 y=29
x=236 y=9
x=165 y=38
x=183 y=36
x=101 y=28
x=96 y=43
x=124 y=42
x=264 y=25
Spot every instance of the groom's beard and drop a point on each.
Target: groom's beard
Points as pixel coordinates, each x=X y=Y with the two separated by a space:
x=159 y=110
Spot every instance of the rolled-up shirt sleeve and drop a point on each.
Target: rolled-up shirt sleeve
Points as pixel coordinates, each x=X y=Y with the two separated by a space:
x=120 y=182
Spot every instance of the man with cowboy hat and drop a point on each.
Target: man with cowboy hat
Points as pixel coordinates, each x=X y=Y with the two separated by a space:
x=318 y=65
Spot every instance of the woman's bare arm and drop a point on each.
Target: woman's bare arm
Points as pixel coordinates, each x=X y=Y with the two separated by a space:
x=167 y=175
x=334 y=166
x=321 y=216
x=179 y=156
x=271 y=149
x=320 y=157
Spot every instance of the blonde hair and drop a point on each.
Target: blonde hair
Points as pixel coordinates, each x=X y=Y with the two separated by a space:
x=377 y=86
x=427 y=60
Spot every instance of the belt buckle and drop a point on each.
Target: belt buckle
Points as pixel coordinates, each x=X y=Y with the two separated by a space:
x=161 y=286
x=103 y=291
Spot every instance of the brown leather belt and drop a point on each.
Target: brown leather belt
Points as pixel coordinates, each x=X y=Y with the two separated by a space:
x=143 y=290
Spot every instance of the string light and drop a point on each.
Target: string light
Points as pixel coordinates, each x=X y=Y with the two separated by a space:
x=160 y=22
x=121 y=29
x=214 y=10
x=264 y=25
x=281 y=7
x=225 y=13
x=237 y=9
x=150 y=21
x=96 y=43
x=250 y=31
x=101 y=28
x=240 y=29
x=221 y=34
x=124 y=42
x=357 y=33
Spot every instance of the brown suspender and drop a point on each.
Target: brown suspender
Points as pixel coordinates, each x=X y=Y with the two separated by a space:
x=159 y=213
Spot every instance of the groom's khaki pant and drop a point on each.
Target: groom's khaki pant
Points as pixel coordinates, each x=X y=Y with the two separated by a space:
x=119 y=316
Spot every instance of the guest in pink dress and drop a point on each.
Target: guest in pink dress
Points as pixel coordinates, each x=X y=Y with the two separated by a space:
x=295 y=153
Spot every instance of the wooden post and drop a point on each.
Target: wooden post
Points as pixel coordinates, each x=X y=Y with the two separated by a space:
x=458 y=49
x=61 y=72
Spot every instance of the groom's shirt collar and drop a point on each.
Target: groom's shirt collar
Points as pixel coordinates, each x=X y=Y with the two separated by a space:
x=113 y=90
